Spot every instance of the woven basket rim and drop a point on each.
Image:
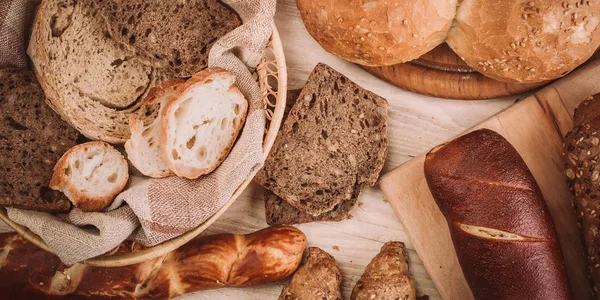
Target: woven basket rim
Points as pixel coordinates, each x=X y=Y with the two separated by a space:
x=274 y=114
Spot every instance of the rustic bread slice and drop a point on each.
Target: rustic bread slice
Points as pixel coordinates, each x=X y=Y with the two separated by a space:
x=202 y=123
x=32 y=140
x=91 y=175
x=89 y=79
x=319 y=278
x=332 y=145
x=174 y=35
x=143 y=148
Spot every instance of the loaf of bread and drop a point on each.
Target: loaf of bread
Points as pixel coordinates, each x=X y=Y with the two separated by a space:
x=500 y=225
x=332 y=145
x=378 y=33
x=90 y=80
x=387 y=276
x=319 y=278
x=91 y=175
x=581 y=152
x=32 y=140
x=143 y=147
x=207 y=262
x=525 y=41
x=200 y=125
x=175 y=36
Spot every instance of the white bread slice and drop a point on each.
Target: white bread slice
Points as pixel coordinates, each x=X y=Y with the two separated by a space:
x=143 y=148
x=202 y=123
x=91 y=175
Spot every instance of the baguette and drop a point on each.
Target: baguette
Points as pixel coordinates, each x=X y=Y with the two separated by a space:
x=502 y=231
x=207 y=262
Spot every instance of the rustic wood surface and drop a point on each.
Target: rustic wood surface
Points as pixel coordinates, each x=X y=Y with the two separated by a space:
x=441 y=73
x=416 y=122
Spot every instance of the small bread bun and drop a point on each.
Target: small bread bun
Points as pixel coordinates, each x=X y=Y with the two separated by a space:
x=378 y=33
x=91 y=175
x=525 y=41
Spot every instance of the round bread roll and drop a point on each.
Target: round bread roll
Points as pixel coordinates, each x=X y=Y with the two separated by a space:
x=525 y=41
x=378 y=33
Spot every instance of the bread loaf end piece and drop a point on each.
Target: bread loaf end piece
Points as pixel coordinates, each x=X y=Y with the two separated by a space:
x=317 y=279
x=581 y=151
x=91 y=175
x=501 y=228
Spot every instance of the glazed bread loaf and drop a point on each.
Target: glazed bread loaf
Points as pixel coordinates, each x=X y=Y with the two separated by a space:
x=208 y=262
x=378 y=33
x=91 y=175
x=500 y=225
x=525 y=41
x=581 y=151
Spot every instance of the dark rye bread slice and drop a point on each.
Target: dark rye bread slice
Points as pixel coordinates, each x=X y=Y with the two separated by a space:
x=174 y=35
x=332 y=145
x=279 y=212
x=32 y=140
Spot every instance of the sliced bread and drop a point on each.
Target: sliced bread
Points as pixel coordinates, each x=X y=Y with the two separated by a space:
x=89 y=79
x=91 y=175
x=319 y=278
x=202 y=123
x=32 y=140
x=332 y=145
x=143 y=148
x=174 y=35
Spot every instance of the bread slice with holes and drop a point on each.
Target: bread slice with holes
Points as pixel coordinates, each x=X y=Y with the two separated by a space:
x=143 y=148
x=91 y=175
x=90 y=80
x=332 y=145
x=32 y=140
x=175 y=36
x=202 y=123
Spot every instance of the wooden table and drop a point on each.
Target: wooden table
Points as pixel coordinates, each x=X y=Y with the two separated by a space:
x=416 y=123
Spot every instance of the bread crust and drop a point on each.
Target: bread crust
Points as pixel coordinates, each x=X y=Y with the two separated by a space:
x=197 y=79
x=525 y=41
x=378 y=33
x=501 y=228
x=82 y=200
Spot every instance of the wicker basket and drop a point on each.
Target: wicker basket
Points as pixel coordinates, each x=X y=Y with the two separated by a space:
x=272 y=78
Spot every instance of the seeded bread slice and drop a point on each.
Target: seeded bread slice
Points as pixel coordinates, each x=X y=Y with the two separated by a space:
x=332 y=145
x=174 y=35
x=89 y=79
x=32 y=140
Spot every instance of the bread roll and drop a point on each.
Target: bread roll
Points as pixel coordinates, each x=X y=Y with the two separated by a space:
x=207 y=262
x=525 y=41
x=500 y=225
x=378 y=33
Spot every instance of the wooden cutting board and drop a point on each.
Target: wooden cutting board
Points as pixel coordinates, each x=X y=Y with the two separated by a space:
x=535 y=127
x=441 y=73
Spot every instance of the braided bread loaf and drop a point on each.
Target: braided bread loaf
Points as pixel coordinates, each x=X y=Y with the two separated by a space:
x=208 y=262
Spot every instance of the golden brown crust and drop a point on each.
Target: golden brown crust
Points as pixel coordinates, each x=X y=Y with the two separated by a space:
x=480 y=180
x=378 y=33
x=387 y=276
x=204 y=263
x=525 y=41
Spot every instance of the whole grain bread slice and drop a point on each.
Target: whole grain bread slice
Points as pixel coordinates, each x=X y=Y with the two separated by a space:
x=92 y=81
x=173 y=35
x=32 y=140
x=332 y=145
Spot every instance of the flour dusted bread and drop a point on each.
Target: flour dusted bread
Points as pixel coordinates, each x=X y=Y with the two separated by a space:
x=175 y=36
x=378 y=33
x=91 y=175
x=202 y=123
x=143 y=148
x=32 y=140
x=319 y=278
x=525 y=41
x=332 y=145
x=89 y=79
